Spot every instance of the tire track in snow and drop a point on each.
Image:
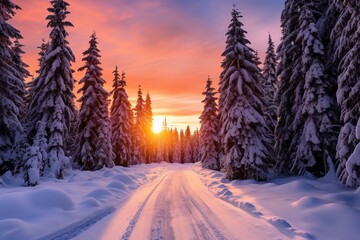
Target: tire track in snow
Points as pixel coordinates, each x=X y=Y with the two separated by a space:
x=213 y=229
x=79 y=227
x=135 y=219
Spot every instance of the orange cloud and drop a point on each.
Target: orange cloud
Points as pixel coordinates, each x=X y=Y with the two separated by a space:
x=167 y=49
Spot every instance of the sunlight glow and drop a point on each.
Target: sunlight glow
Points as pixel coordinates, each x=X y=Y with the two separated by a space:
x=158 y=124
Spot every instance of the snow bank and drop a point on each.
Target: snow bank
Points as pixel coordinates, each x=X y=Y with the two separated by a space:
x=83 y=197
x=297 y=206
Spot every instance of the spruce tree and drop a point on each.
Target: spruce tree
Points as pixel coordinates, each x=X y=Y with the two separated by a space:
x=12 y=88
x=270 y=86
x=305 y=132
x=346 y=34
x=29 y=86
x=122 y=121
x=94 y=137
x=209 y=130
x=148 y=122
x=21 y=67
x=243 y=130
x=139 y=131
x=288 y=98
x=52 y=100
x=315 y=117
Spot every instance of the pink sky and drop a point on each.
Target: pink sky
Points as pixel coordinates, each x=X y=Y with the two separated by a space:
x=169 y=47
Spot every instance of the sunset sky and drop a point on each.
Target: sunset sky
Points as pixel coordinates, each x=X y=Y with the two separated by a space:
x=167 y=46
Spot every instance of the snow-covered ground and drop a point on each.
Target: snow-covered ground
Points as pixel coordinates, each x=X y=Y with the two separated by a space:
x=61 y=209
x=174 y=201
x=323 y=208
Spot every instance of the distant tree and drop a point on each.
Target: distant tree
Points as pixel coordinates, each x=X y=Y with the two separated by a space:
x=209 y=130
x=148 y=133
x=94 y=137
x=182 y=144
x=12 y=88
x=139 y=145
x=270 y=86
x=52 y=100
x=122 y=121
x=243 y=130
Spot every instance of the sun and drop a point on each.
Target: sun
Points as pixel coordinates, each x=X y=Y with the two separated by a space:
x=157 y=124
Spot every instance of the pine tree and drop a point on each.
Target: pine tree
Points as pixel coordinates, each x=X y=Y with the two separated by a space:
x=243 y=130
x=122 y=121
x=288 y=98
x=12 y=88
x=346 y=35
x=182 y=145
x=316 y=116
x=29 y=86
x=305 y=134
x=209 y=130
x=148 y=122
x=139 y=131
x=94 y=137
x=270 y=86
x=52 y=100
x=21 y=67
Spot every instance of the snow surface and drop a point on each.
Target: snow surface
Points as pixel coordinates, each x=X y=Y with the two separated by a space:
x=297 y=206
x=177 y=201
x=67 y=206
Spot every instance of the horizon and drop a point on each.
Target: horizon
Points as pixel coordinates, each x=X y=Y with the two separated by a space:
x=164 y=57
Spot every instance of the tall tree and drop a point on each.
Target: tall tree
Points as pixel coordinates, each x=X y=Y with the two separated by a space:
x=30 y=89
x=139 y=130
x=148 y=123
x=243 y=130
x=346 y=34
x=94 y=138
x=52 y=100
x=270 y=86
x=316 y=116
x=288 y=98
x=12 y=87
x=122 y=121
x=209 y=130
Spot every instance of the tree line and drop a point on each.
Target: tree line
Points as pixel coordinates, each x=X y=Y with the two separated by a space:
x=308 y=120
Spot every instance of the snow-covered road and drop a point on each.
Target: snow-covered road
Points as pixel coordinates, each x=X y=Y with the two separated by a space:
x=178 y=206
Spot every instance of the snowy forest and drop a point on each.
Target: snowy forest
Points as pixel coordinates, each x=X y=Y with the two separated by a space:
x=296 y=113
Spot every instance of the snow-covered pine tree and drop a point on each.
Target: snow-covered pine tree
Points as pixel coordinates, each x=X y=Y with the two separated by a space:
x=52 y=100
x=346 y=34
x=187 y=152
x=209 y=130
x=195 y=142
x=182 y=145
x=270 y=86
x=35 y=156
x=122 y=121
x=289 y=97
x=177 y=153
x=12 y=88
x=139 y=145
x=94 y=138
x=148 y=123
x=21 y=67
x=315 y=118
x=29 y=86
x=243 y=130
